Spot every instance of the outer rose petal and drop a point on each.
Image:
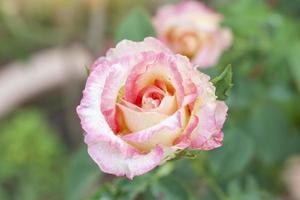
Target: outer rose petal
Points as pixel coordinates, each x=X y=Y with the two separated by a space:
x=127 y=47
x=113 y=84
x=210 y=53
x=111 y=160
x=196 y=84
x=225 y=38
x=208 y=135
x=92 y=119
x=131 y=50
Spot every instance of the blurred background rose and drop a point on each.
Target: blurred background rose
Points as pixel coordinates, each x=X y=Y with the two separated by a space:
x=192 y=29
x=45 y=47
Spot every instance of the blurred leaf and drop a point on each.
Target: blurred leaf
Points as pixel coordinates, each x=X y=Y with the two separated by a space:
x=3 y=194
x=136 y=26
x=272 y=132
x=147 y=195
x=234 y=156
x=281 y=93
x=251 y=191
x=169 y=188
x=129 y=190
x=223 y=83
x=208 y=195
x=106 y=192
x=290 y=7
x=185 y=172
x=294 y=64
x=82 y=176
x=31 y=156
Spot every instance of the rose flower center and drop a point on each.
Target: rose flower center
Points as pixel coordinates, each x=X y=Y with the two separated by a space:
x=150 y=97
x=153 y=103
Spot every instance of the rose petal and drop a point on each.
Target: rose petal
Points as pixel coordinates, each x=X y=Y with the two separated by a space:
x=154 y=67
x=130 y=50
x=196 y=84
x=92 y=119
x=212 y=50
x=208 y=134
x=163 y=133
x=147 y=94
x=167 y=106
x=111 y=160
x=112 y=86
x=109 y=151
x=137 y=121
x=131 y=106
x=126 y=48
x=184 y=140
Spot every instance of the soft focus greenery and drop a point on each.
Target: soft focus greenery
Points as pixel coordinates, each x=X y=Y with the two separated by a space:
x=31 y=158
x=28 y=25
x=262 y=131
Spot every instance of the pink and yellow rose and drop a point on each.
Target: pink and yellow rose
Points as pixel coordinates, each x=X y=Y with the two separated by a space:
x=142 y=103
x=191 y=29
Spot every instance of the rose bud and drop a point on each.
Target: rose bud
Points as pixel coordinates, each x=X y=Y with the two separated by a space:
x=142 y=103
x=191 y=29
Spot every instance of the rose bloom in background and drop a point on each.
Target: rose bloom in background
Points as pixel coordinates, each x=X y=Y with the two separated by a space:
x=142 y=103
x=191 y=29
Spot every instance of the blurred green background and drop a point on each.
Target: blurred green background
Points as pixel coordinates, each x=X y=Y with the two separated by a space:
x=42 y=155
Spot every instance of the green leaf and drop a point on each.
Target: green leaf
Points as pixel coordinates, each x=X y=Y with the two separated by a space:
x=235 y=155
x=87 y=70
x=82 y=175
x=271 y=131
x=169 y=188
x=105 y=192
x=3 y=193
x=294 y=61
x=136 y=26
x=223 y=83
x=250 y=191
x=129 y=190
